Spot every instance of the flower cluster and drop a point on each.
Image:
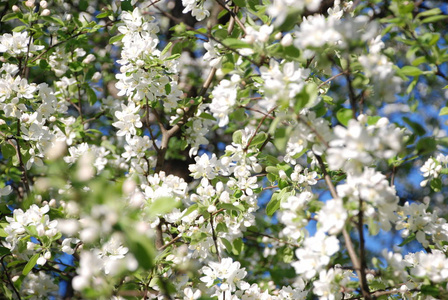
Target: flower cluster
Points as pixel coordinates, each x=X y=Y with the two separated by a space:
x=433 y=168
x=360 y=144
x=427 y=226
x=33 y=223
x=282 y=82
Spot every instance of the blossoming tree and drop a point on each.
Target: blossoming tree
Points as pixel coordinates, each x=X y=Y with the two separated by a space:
x=243 y=149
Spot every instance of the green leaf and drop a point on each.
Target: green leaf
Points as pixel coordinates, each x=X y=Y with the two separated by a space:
x=174 y=56
x=126 y=5
x=167 y=88
x=116 y=38
x=91 y=95
x=142 y=250
x=288 y=255
x=191 y=209
x=237 y=137
x=240 y=114
x=240 y=3
x=54 y=20
x=443 y=111
x=11 y=16
x=430 y=12
x=162 y=205
x=30 y=264
x=236 y=43
x=273 y=205
x=407 y=240
x=434 y=19
x=281 y=137
x=83 y=4
x=238 y=246
x=259 y=139
x=229 y=206
x=104 y=14
x=3 y=233
x=436 y=184
x=432 y=290
x=305 y=98
x=426 y=145
x=411 y=71
x=416 y=127
x=207 y=116
x=166 y=49
x=227 y=244
x=4 y=251
x=7 y=150
x=344 y=115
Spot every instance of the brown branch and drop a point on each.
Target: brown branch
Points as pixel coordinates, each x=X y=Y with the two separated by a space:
x=348 y=241
x=233 y=14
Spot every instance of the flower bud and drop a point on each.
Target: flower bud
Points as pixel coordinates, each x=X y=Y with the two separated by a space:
x=46 y=12
x=286 y=40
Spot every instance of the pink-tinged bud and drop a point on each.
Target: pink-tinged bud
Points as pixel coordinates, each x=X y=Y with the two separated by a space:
x=29 y=3
x=45 y=13
x=15 y=8
x=43 y=4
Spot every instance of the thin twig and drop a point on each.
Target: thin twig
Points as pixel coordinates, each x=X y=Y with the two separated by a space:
x=215 y=239
x=8 y=277
x=57 y=44
x=170 y=243
x=258 y=128
x=331 y=78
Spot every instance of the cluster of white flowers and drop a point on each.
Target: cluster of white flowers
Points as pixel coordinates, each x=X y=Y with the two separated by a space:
x=13 y=92
x=254 y=292
x=380 y=70
x=35 y=223
x=421 y=265
x=164 y=186
x=197 y=8
x=226 y=276
x=17 y=44
x=332 y=216
x=293 y=216
x=316 y=31
x=315 y=254
x=97 y=155
x=197 y=131
x=310 y=132
x=282 y=82
x=359 y=144
x=212 y=55
x=39 y=285
x=432 y=168
x=278 y=10
x=260 y=36
x=224 y=99
x=328 y=286
x=414 y=219
x=379 y=198
x=95 y=265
